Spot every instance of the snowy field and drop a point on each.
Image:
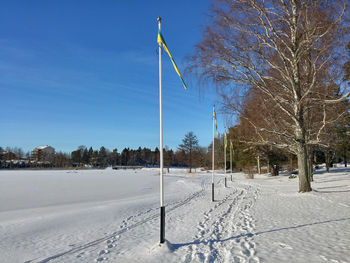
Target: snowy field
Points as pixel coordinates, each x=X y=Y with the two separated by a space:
x=113 y=216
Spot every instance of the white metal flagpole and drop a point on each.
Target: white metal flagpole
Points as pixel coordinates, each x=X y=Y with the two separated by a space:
x=225 y=152
x=225 y=143
x=213 y=150
x=162 y=208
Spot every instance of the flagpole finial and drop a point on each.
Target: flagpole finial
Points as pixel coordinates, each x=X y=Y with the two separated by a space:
x=159 y=19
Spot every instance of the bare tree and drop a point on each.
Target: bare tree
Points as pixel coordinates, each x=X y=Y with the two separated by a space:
x=285 y=50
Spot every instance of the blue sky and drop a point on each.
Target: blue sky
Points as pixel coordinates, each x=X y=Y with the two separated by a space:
x=86 y=73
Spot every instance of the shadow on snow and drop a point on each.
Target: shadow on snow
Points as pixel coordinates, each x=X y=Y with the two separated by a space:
x=210 y=242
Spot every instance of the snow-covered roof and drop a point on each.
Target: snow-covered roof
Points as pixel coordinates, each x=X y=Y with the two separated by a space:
x=42 y=147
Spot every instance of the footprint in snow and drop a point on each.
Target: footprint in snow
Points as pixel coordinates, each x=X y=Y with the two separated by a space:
x=103 y=251
x=110 y=246
x=100 y=259
x=238 y=259
x=285 y=246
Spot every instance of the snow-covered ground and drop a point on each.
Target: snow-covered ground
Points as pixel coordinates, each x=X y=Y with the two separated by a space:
x=113 y=216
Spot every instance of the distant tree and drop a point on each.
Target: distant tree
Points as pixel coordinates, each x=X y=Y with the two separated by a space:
x=146 y=155
x=61 y=159
x=90 y=154
x=218 y=153
x=81 y=148
x=102 y=157
x=168 y=156
x=275 y=158
x=1 y=157
x=76 y=157
x=113 y=157
x=180 y=158
x=18 y=152
x=28 y=155
x=125 y=156
x=155 y=159
x=189 y=145
x=138 y=157
x=200 y=157
x=85 y=156
x=343 y=139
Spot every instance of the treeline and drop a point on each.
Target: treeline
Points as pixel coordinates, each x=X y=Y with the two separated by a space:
x=137 y=157
x=103 y=157
x=188 y=154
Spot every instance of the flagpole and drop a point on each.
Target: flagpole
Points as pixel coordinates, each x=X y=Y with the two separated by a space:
x=213 y=150
x=162 y=208
x=225 y=153
x=231 y=158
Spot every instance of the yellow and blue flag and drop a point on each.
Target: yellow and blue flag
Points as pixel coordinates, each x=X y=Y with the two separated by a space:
x=225 y=139
x=160 y=40
x=216 y=123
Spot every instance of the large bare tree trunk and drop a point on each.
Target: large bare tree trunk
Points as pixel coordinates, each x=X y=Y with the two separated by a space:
x=310 y=169
x=304 y=183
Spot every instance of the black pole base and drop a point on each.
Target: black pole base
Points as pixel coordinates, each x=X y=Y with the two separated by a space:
x=162 y=224
x=212 y=192
x=231 y=178
x=225 y=182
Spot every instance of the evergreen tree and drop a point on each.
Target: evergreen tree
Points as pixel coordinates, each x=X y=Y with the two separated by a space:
x=189 y=146
x=102 y=157
x=156 y=157
x=125 y=156
x=113 y=158
x=85 y=157
x=90 y=154
x=76 y=157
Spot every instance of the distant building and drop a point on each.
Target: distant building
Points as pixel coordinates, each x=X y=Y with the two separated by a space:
x=43 y=153
x=7 y=155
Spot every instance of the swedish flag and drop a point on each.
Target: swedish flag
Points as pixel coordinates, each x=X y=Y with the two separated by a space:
x=216 y=124
x=225 y=139
x=160 y=40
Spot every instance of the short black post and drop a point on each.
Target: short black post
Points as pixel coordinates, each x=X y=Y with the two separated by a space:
x=162 y=224
x=231 y=178
x=225 y=182
x=212 y=192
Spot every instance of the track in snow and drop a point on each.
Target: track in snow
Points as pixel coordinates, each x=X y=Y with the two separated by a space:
x=127 y=224
x=225 y=233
